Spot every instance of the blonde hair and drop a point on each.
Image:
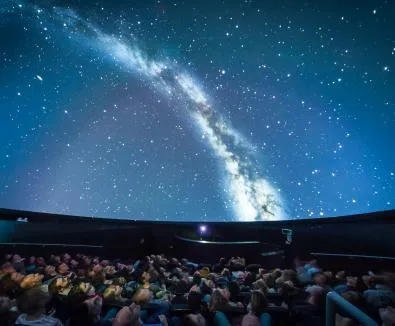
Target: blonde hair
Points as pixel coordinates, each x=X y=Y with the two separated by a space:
x=142 y=297
x=218 y=302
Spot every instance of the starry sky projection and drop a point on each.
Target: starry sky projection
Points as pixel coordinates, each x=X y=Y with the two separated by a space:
x=197 y=110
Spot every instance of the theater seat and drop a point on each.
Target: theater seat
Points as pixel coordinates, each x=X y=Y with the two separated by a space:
x=220 y=319
x=279 y=316
x=179 y=310
x=265 y=319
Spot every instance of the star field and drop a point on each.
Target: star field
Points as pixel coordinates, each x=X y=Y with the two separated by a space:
x=208 y=110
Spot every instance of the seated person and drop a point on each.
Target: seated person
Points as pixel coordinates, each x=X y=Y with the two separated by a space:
x=181 y=290
x=32 y=303
x=86 y=313
x=194 y=319
x=256 y=308
x=195 y=301
x=31 y=280
x=8 y=313
x=151 y=309
x=220 y=301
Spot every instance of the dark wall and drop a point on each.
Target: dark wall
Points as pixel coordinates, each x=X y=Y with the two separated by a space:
x=371 y=234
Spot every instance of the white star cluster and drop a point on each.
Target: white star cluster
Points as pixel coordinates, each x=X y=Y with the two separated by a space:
x=252 y=196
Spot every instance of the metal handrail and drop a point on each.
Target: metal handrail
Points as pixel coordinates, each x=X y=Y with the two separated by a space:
x=351 y=255
x=48 y=244
x=333 y=300
x=217 y=242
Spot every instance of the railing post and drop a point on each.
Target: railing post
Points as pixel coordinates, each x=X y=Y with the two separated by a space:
x=330 y=311
x=333 y=299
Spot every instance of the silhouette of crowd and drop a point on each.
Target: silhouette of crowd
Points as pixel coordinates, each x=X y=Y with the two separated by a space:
x=159 y=290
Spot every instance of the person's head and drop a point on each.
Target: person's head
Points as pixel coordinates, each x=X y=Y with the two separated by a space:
x=316 y=294
x=259 y=302
x=270 y=280
x=194 y=320
x=368 y=281
x=104 y=263
x=112 y=292
x=249 y=279
x=196 y=278
x=340 y=276
x=5 y=304
x=204 y=272
x=225 y=272
x=58 y=284
x=181 y=287
x=218 y=301
x=234 y=289
x=329 y=276
x=40 y=261
x=7 y=268
x=288 y=275
x=387 y=315
x=97 y=269
x=154 y=275
x=49 y=270
x=82 y=290
x=63 y=269
x=87 y=261
x=119 y=281
x=33 y=301
x=85 y=313
x=128 y=316
x=353 y=297
x=17 y=277
x=313 y=263
x=31 y=280
x=205 y=287
x=74 y=264
x=142 y=297
x=288 y=291
x=109 y=271
x=260 y=284
x=241 y=276
x=276 y=273
x=94 y=305
x=320 y=279
x=17 y=258
x=9 y=287
x=66 y=257
x=352 y=281
x=56 y=259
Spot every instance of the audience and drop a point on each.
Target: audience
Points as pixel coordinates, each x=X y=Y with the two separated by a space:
x=83 y=290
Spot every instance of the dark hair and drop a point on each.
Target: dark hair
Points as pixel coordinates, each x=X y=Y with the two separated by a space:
x=287 y=293
x=205 y=289
x=81 y=316
x=196 y=279
x=217 y=301
x=181 y=287
x=33 y=300
x=271 y=281
x=234 y=289
x=195 y=301
x=9 y=288
x=194 y=320
x=249 y=279
x=259 y=302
